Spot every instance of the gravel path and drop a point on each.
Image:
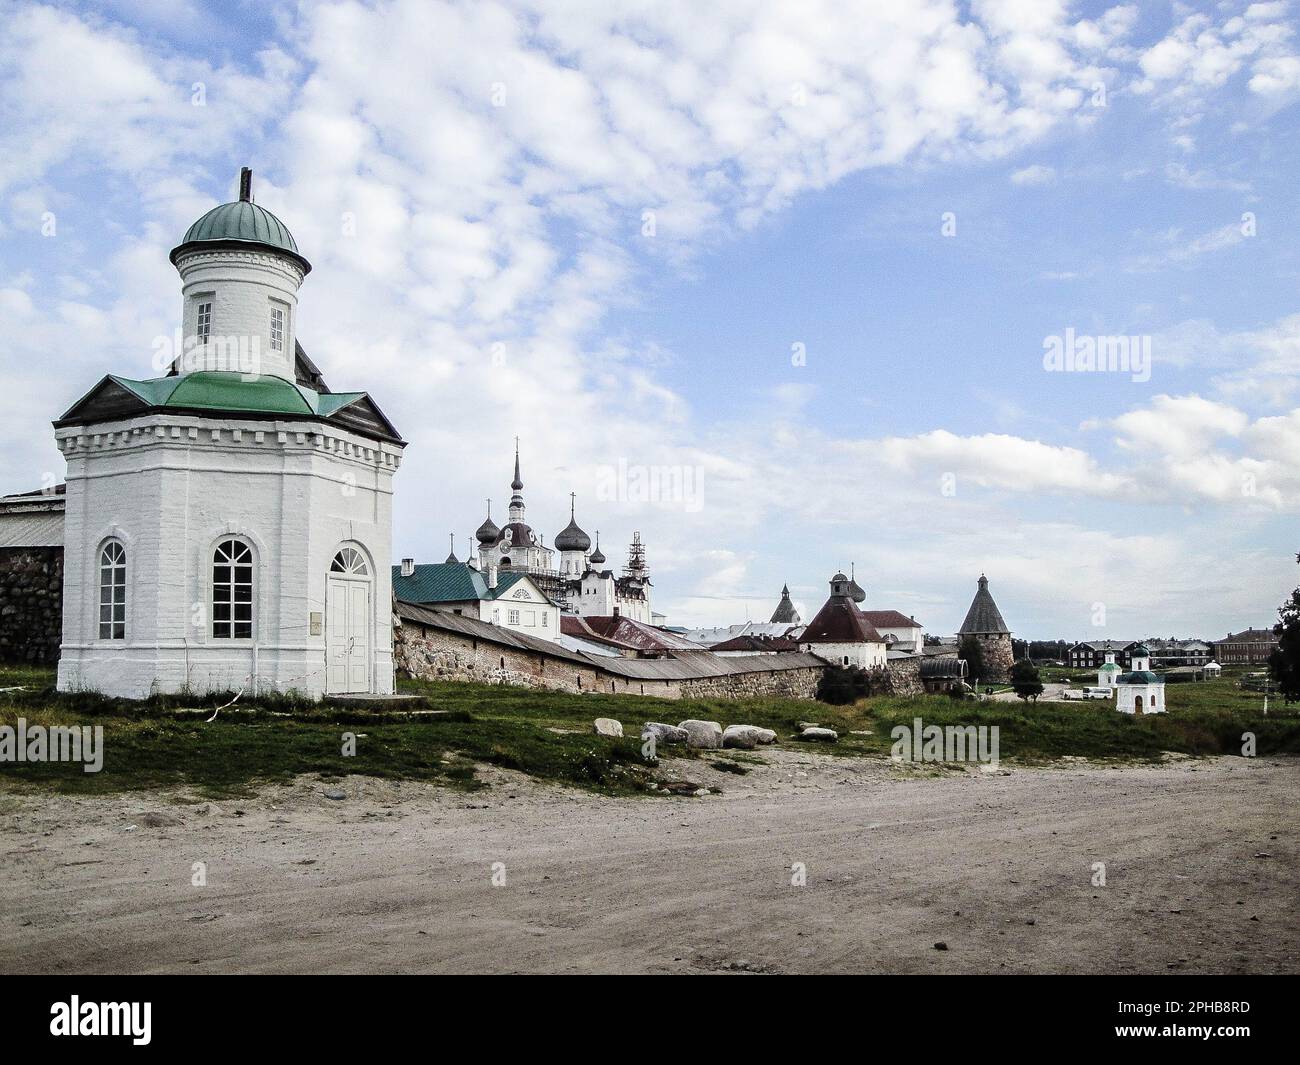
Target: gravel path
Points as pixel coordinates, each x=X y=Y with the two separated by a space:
x=1202 y=875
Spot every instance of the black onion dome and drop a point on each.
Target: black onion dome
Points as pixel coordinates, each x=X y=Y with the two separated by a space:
x=488 y=533
x=597 y=556
x=572 y=538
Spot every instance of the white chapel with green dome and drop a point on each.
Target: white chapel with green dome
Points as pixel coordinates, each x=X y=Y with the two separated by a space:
x=229 y=525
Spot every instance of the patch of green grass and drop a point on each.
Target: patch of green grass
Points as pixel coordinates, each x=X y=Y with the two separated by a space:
x=549 y=735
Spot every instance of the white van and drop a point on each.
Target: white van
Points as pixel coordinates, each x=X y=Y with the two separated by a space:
x=1096 y=693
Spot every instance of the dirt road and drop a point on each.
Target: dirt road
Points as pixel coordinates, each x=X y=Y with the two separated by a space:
x=1202 y=873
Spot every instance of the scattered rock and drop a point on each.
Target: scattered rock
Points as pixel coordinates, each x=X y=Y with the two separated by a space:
x=679 y=787
x=335 y=793
x=607 y=726
x=801 y=725
x=941 y=945
x=1263 y=854
x=816 y=732
x=160 y=819
x=665 y=734
x=208 y=809
x=742 y=737
x=701 y=792
x=705 y=735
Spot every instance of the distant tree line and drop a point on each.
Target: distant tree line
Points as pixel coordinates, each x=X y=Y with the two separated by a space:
x=1040 y=650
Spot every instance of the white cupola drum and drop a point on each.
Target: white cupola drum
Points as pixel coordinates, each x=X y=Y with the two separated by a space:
x=240 y=272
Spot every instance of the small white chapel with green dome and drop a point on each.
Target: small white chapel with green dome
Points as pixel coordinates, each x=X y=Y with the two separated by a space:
x=1140 y=691
x=229 y=525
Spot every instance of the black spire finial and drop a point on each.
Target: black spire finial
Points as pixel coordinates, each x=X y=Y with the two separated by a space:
x=246 y=184
x=517 y=484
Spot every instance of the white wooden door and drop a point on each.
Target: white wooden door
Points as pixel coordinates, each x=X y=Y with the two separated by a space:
x=348 y=643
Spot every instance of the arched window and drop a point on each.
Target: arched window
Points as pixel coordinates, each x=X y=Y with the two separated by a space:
x=112 y=591
x=350 y=562
x=232 y=591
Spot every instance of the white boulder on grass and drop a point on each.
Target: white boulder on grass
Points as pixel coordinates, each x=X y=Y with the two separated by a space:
x=827 y=735
x=607 y=726
x=744 y=737
x=665 y=734
x=706 y=735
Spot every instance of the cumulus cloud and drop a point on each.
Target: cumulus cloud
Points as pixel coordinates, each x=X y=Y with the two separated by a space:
x=478 y=185
x=1034 y=175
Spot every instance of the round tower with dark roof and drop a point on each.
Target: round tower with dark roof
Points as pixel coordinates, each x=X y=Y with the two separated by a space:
x=984 y=624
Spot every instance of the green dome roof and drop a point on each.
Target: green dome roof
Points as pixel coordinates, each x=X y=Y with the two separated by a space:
x=245 y=222
x=1110 y=667
x=1142 y=676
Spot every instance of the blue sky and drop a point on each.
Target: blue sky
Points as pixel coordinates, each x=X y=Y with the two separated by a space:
x=498 y=159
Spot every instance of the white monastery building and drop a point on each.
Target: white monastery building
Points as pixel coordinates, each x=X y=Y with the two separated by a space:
x=510 y=598
x=228 y=526
x=580 y=581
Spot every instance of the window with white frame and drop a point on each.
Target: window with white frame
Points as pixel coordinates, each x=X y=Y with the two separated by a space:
x=232 y=591
x=277 y=328
x=203 y=323
x=513 y=617
x=112 y=591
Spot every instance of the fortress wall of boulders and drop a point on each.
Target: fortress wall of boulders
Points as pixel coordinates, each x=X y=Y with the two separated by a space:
x=31 y=604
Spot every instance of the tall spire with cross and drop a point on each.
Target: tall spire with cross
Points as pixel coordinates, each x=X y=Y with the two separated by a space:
x=517 y=486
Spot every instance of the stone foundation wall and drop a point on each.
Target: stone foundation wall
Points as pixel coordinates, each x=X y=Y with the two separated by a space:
x=31 y=604
x=427 y=653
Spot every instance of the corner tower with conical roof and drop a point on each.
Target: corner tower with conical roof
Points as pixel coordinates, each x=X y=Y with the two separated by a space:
x=229 y=524
x=785 y=613
x=984 y=624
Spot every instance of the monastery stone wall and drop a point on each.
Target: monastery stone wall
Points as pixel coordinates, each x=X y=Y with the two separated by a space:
x=31 y=604
x=426 y=653
x=904 y=677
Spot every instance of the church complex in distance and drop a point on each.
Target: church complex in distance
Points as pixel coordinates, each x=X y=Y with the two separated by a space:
x=228 y=527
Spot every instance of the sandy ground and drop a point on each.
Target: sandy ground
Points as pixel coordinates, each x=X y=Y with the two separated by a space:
x=1202 y=875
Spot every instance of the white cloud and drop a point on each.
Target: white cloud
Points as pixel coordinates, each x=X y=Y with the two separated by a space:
x=519 y=226
x=1034 y=175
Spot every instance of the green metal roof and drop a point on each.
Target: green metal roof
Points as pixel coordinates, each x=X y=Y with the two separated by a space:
x=1110 y=667
x=1142 y=676
x=227 y=390
x=243 y=222
x=450 y=582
